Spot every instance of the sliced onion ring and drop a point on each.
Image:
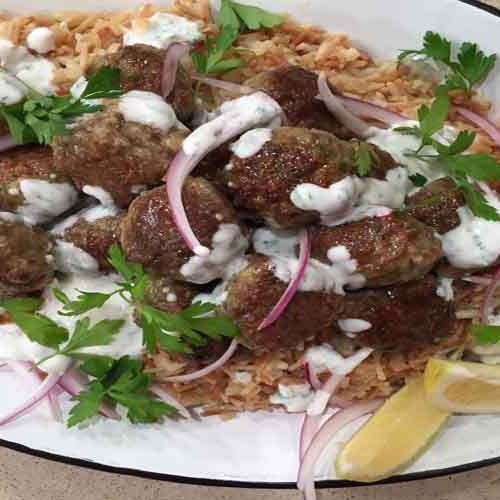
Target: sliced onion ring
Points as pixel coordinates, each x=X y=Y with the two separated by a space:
x=488 y=295
x=337 y=108
x=482 y=122
x=370 y=110
x=311 y=377
x=73 y=382
x=310 y=425
x=232 y=87
x=177 y=379
x=220 y=130
x=291 y=289
x=170 y=400
x=33 y=400
x=174 y=52
x=7 y=142
x=329 y=429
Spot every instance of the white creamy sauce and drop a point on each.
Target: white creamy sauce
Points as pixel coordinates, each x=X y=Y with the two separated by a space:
x=100 y=194
x=295 y=398
x=228 y=243
x=245 y=112
x=475 y=242
x=36 y=72
x=15 y=345
x=353 y=325
x=445 y=289
x=242 y=377
x=275 y=242
x=251 y=142
x=356 y=214
x=399 y=144
x=45 y=200
x=71 y=259
x=12 y=90
x=89 y=214
x=147 y=108
x=390 y=192
x=340 y=273
x=41 y=40
x=161 y=30
x=10 y=217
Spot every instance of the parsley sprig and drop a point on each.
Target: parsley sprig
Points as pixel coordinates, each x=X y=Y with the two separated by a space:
x=461 y=168
x=485 y=334
x=39 y=118
x=174 y=332
x=121 y=382
x=232 y=20
x=365 y=156
x=471 y=66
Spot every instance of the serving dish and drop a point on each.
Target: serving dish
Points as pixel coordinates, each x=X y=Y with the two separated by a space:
x=261 y=448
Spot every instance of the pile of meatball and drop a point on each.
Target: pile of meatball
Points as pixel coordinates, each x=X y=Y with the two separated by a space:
x=126 y=161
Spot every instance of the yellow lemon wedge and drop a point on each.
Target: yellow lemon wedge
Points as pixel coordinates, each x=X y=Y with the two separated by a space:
x=463 y=387
x=393 y=438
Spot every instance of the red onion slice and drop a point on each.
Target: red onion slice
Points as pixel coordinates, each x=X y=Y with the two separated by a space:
x=322 y=396
x=370 y=110
x=483 y=123
x=331 y=427
x=33 y=400
x=337 y=108
x=311 y=377
x=7 y=142
x=232 y=87
x=237 y=117
x=73 y=382
x=208 y=369
x=170 y=400
x=291 y=289
x=310 y=426
x=488 y=295
x=27 y=371
x=336 y=403
x=173 y=54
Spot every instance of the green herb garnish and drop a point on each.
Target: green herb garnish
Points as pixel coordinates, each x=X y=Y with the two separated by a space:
x=39 y=118
x=233 y=19
x=174 y=332
x=122 y=382
x=471 y=66
x=365 y=156
x=459 y=167
x=485 y=334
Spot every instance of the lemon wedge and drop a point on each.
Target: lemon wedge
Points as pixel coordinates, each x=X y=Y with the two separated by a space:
x=394 y=437
x=463 y=387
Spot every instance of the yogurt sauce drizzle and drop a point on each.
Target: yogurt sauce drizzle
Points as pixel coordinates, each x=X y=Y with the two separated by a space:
x=12 y=90
x=41 y=40
x=318 y=277
x=250 y=143
x=15 y=345
x=161 y=30
x=36 y=72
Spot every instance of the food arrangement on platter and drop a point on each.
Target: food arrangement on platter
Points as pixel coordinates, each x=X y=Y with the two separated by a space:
x=210 y=216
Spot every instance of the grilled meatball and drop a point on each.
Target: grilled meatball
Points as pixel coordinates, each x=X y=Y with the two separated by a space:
x=262 y=183
x=402 y=317
x=141 y=68
x=24 y=254
x=150 y=237
x=119 y=156
x=169 y=295
x=31 y=185
x=391 y=249
x=296 y=89
x=251 y=295
x=83 y=240
x=440 y=214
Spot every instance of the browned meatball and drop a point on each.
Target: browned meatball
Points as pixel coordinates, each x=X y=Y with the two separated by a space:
x=262 y=183
x=402 y=317
x=391 y=249
x=441 y=213
x=34 y=163
x=25 y=257
x=253 y=292
x=116 y=155
x=296 y=89
x=141 y=68
x=169 y=295
x=150 y=237
x=91 y=235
